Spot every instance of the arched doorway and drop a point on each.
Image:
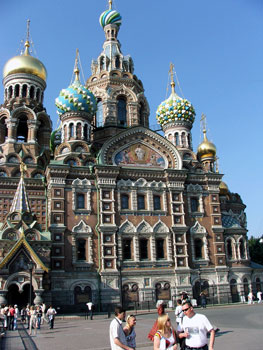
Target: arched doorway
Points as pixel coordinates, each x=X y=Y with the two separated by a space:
x=234 y=291
x=14 y=296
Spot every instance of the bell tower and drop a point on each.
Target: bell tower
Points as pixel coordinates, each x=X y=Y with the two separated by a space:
x=120 y=94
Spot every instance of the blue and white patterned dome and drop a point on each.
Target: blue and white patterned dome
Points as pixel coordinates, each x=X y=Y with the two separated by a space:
x=110 y=17
x=76 y=98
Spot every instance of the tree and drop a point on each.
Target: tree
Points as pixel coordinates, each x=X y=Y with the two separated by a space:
x=256 y=249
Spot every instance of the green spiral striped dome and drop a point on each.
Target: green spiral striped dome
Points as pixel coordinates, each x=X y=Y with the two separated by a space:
x=110 y=17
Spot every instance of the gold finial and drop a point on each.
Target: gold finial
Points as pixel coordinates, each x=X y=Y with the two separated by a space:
x=23 y=168
x=171 y=71
x=110 y=4
x=76 y=67
x=27 y=43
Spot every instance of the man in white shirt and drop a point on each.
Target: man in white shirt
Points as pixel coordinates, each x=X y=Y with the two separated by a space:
x=90 y=310
x=194 y=329
x=259 y=296
x=117 y=335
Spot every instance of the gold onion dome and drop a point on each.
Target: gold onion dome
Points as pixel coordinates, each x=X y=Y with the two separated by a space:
x=25 y=63
x=223 y=188
x=206 y=148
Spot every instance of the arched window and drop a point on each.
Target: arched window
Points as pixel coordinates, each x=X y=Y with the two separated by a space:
x=65 y=132
x=22 y=129
x=126 y=248
x=38 y=95
x=17 y=90
x=117 y=62
x=86 y=132
x=156 y=202
x=159 y=248
x=10 y=92
x=99 y=114
x=102 y=63
x=71 y=130
x=81 y=249
x=242 y=249
x=78 y=131
x=141 y=114
x=124 y=201
x=24 y=90
x=194 y=204
x=3 y=130
x=189 y=140
x=176 y=139
x=32 y=92
x=122 y=112
x=229 y=249
x=183 y=140
x=198 y=248
x=143 y=244
x=80 y=201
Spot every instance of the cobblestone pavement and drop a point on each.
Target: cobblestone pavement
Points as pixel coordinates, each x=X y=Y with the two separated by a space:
x=240 y=329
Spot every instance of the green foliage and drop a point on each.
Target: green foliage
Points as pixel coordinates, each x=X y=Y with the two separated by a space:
x=256 y=249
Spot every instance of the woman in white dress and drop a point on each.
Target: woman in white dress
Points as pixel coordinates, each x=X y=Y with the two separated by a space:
x=165 y=337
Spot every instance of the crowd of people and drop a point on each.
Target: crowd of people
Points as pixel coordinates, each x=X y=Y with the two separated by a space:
x=31 y=316
x=191 y=331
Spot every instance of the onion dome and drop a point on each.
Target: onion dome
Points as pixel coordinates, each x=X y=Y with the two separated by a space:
x=175 y=108
x=206 y=148
x=223 y=188
x=76 y=98
x=55 y=138
x=110 y=17
x=25 y=63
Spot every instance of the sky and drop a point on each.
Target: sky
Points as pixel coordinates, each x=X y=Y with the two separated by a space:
x=215 y=46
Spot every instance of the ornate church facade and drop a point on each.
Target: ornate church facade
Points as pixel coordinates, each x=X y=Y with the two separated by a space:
x=104 y=208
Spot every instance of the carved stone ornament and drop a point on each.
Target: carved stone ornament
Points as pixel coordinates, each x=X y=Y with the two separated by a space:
x=160 y=227
x=144 y=227
x=82 y=227
x=197 y=228
x=127 y=227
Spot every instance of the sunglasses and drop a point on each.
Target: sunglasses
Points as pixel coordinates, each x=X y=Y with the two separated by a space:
x=184 y=310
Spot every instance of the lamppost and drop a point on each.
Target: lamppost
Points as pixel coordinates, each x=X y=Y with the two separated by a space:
x=120 y=281
x=30 y=268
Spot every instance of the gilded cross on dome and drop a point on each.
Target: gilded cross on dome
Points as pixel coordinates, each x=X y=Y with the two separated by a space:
x=171 y=71
x=203 y=121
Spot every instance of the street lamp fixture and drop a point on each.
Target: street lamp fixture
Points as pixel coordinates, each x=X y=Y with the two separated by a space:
x=30 y=266
x=119 y=265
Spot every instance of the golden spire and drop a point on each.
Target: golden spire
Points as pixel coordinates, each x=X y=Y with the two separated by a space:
x=110 y=4
x=171 y=71
x=76 y=67
x=27 y=43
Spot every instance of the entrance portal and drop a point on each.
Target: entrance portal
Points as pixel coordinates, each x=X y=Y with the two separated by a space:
x=14 y=296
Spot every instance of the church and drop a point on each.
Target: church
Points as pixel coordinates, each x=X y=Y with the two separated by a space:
x=104 y=208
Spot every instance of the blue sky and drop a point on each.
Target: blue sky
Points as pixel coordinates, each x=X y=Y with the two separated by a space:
x=217 y=50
